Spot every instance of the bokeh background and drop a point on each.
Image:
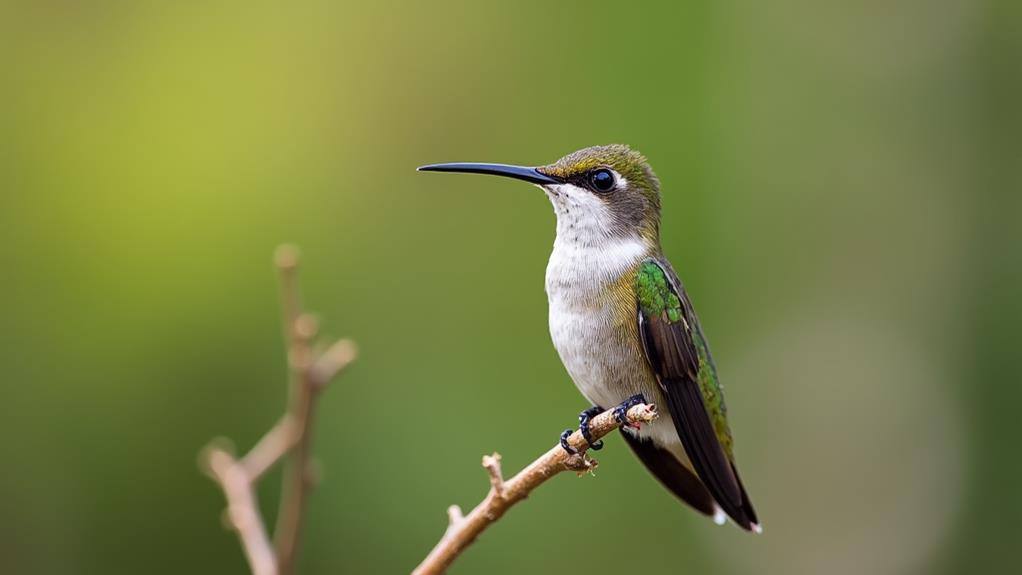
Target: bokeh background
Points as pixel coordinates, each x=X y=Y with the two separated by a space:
x=841 y=197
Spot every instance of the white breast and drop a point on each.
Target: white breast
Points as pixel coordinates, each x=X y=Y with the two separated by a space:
x=583 y=340
x=586 y=260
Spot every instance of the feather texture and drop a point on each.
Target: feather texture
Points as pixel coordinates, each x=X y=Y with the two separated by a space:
x=677 y=353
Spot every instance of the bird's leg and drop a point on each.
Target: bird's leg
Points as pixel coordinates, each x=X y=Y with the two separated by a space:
x=583 y=425
x=564 y=442
x=621 y=411
x=620 y=415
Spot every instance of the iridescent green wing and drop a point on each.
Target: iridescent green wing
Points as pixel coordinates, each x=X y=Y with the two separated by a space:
x=677 y=352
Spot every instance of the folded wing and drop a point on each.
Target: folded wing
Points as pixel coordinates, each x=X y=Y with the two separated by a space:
x=675 y=348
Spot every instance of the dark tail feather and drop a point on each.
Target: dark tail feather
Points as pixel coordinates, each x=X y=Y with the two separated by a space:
x=672 y=474
x=712 y=465
x=747 y=511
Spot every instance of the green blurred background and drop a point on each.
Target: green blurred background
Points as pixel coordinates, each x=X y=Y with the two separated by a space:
x=841 y=189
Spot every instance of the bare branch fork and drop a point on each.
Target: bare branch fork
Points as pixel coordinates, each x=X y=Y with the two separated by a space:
x=311 y=369
x=462 y=529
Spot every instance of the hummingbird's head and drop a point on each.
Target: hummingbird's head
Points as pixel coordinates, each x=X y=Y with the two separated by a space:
x=598 y=193
x=611 y=186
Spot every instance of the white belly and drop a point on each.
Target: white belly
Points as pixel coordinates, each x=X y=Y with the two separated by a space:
x=604 y=368
x=592 y=355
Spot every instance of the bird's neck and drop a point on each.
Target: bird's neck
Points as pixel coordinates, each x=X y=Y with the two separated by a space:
x=592 y=250
x=584 y=263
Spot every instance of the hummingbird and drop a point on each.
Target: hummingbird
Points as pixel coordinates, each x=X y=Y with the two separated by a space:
x=625 y=328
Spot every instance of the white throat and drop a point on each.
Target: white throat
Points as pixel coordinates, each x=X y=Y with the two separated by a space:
x=588 y=254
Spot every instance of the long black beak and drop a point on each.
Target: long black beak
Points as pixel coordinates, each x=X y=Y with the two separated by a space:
x=531 y=175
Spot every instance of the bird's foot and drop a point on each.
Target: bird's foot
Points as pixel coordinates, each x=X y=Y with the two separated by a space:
x=620 y=415
x=564 y=442
x=621 y=411
x=583 y=426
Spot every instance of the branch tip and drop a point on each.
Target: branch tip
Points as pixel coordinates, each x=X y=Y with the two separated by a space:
x=642 y=413
x=210 y=457
x=306 y=327
x=454 y=515
x=286 y=257
x=492 y=465
x=333 y=361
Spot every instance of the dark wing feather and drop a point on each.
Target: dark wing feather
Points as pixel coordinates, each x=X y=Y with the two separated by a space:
x=672 y=474
x=674 y=357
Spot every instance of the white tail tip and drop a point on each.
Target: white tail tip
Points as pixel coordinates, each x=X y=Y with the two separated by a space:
x=719 y=517
x=757 y=528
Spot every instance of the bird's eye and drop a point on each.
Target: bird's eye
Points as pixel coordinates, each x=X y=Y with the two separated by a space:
x=602 y=180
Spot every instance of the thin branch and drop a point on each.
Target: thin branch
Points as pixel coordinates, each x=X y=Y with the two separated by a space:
x=310 y=372
x=270 y=449
x=462 y=530
x=297 y=481
x=300 y=330
x=242 y=510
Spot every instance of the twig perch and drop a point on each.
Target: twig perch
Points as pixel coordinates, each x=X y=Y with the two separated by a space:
x=462 y=530
x=310 y=372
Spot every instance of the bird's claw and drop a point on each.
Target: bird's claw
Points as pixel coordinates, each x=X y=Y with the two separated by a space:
x=583 y=426
x=621 y=411
x=620 y=415
x=564 y=442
